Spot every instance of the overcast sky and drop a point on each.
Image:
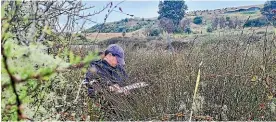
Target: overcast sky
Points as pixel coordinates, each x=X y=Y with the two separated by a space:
x=148 y=9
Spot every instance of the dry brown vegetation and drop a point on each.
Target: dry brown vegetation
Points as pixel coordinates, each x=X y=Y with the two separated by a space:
x=44 y=81
x=238 y=81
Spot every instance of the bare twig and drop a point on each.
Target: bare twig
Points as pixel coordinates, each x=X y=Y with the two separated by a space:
x=106 y=16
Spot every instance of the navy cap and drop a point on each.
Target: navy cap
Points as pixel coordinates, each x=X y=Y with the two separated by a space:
x=118 y=52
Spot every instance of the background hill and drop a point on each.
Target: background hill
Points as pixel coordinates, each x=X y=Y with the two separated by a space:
x=134 y=24
x=127 y=25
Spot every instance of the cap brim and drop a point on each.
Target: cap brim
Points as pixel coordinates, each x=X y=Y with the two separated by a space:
x=121 y=61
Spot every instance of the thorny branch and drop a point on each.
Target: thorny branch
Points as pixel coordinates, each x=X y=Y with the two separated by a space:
x=13 y=82
x=16 y=26
x=106 y=16
x=39 y=76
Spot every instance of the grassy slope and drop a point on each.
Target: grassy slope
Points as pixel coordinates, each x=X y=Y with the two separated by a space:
x=128 y=25
x=134 y=24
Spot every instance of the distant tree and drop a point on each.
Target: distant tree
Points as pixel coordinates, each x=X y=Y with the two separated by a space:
x=154 y=31
x=222 y=22
x=121 y=28
x=237 y=23
x=126 y=20
x=231 y=24
x=215 y=23
x=188 y=30
x=174 y=10
x=198 y=20
x=185 y=22
x=258 y=22
x=227 y=18
x=124 y=33
x=167 y=24
x=269 y=10
x=209 y=29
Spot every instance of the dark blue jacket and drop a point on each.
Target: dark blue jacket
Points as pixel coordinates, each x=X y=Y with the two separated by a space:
x=104 y=75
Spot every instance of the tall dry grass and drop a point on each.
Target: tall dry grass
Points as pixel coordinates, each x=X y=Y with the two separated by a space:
x=238 y=78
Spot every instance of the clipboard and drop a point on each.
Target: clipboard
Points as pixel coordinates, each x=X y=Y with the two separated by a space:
x=132 y=86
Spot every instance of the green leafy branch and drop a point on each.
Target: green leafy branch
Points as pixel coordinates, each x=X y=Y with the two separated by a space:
x=14 y=54
x=40 y=74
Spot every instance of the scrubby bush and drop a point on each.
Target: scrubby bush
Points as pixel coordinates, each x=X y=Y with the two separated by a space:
x=259 y=22
x=209 y=29
x=222 y=22
x=185 y=22
x=124 y=33
x=125 y=20
x=227 y=18
x=178 y=29
x=188 y=30
x=167 y=25
x=198 y=20
x=249 y=12
x=215 y=23
x=154 y=31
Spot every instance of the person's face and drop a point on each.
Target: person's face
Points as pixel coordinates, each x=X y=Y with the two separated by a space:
x=112 y=60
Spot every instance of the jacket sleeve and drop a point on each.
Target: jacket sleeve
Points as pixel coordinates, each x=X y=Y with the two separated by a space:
x=90 y=78
x=123 y=76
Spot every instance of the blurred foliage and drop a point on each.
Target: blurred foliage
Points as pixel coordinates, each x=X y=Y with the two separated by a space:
x=28 y=67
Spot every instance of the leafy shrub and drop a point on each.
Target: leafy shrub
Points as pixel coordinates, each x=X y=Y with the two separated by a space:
x=198 y=20
x=126 y=19
x=121 y=29
x=178 y=30
x=154 y=32
x=261 y=32
x=249 y=12
x=227 y=18
x=209 y=29
x=188 y=30
x=185 y=22
x=124 y=33
x=259 y=22
x=167 y=24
